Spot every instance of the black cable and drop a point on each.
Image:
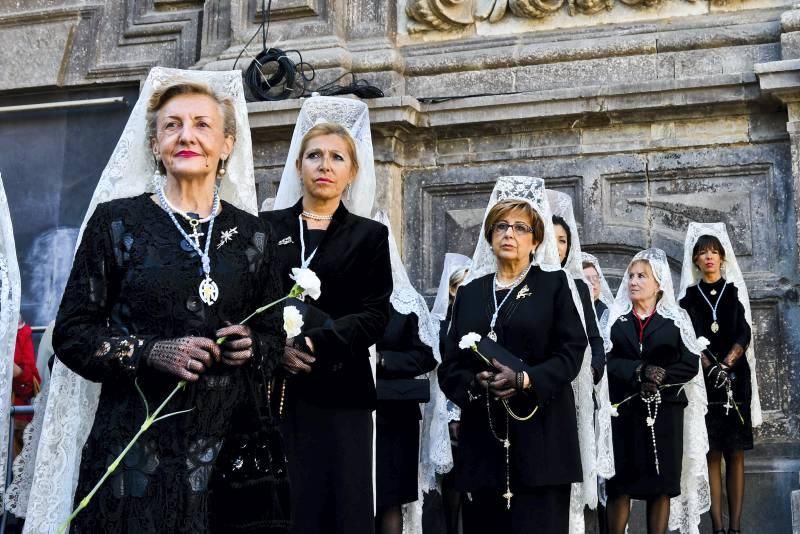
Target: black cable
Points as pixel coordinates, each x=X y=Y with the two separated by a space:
x=358 y=87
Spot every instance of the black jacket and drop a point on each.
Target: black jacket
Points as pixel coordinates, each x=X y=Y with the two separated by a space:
x=352 y=263
x=403 y=355
x=544 y=330
x=592 y=331
x=662 y=346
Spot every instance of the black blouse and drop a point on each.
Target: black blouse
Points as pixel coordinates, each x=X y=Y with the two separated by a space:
x=135 y=281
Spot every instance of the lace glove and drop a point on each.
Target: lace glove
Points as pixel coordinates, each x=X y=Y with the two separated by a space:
x=718 y=376
x=653 y=374
x=296 y=359
x=237 y=348
x=184 y=357
x=733 y=356
x=648 y=389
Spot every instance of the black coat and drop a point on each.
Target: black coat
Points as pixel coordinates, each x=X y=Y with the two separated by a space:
x=592 y=330
x=352 y=263
x=633 y=450
x=544 y=330
x=402 y=355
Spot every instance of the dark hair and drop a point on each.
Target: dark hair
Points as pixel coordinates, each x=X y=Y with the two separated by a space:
x=504 y=207
x=587 y=264
x=563 y=224
x=707 y=242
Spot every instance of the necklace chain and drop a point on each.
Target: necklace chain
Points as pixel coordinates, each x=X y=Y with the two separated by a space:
x=497 y=307
x=719 y=299
x=194 y=221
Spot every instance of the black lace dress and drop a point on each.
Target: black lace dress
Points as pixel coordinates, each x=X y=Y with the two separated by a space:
x=726 y=431
x=135 y=281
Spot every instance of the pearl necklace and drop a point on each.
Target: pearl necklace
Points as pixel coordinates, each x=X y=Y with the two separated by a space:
x=313 y=216
x=186 y=216
x=492 y=335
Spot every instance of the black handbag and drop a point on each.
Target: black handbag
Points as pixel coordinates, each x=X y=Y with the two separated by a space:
x=404 y=389
x=489 y=350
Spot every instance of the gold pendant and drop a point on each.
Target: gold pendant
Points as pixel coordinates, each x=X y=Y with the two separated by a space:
x=715 y=327
x=491 y=335
x=209 y=291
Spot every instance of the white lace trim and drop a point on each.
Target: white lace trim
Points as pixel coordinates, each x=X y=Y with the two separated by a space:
x=354 y=116
x=44 y=494
x=10 y=290
x=452 y=262
x=695 y=499
x=690 y=275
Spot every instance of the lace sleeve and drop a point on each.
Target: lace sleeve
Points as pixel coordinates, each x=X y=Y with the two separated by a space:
x=82 y=338
x=268 y=327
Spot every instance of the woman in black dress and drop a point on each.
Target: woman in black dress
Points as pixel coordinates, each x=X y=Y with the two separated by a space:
x=518 y=472
x=330 y=394
x=648 y=359
x=156 y=279
x=716 y=305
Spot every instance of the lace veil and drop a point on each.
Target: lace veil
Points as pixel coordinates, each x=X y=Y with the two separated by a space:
x=435 y=456
x=354 y=116
x=690 y=275
x=46 y=472
x=532 y=190
x=452 y=263
x=694 y=500
x=9 y=315
x=606 y=295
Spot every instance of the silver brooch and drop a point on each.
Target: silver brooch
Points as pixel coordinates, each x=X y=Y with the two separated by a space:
x=623 y=319
x=227 y=236
x=524 y=292
x=285 y=241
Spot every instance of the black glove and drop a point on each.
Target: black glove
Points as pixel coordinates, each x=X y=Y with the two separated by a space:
x=237 y=348
x=297 y=356
x=653 y=374
x=648 y=389
x=718 y=376
x=184 y=357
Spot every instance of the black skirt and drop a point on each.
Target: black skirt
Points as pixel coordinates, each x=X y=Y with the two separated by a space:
x=730 y=428
x=634 y=460
x=397 y=452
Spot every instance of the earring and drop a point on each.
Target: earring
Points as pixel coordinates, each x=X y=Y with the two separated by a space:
x=222 y=165
x=350 y=191
x=157 y=163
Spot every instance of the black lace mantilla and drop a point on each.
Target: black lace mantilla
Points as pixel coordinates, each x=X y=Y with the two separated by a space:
x=135 y=281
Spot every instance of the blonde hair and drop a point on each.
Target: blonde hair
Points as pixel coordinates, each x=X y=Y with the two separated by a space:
x=329 y=128
x=186 y=87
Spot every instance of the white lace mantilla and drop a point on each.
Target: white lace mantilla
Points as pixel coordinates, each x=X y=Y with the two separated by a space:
x=44 y=492
x=690 y=275
x=695 y=498
x=354 y=116
x=9 y=315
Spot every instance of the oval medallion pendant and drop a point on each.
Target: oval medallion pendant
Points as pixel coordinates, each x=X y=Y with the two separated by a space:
x=715 y=327
x=491 y=335
x=209 y=291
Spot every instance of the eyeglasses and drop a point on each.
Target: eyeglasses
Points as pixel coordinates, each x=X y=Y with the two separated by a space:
x=519 y=228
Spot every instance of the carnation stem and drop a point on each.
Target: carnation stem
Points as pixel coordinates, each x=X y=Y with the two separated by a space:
x=154 y=417
x=113 y=465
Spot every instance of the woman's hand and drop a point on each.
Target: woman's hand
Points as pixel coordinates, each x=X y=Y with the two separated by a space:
x=237 y=348
x=504 y=385
x=296 y=360
x=654 y=374
x=184 y=357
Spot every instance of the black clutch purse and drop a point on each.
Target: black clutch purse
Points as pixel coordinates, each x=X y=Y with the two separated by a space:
x=489 y=350
x=404 y=389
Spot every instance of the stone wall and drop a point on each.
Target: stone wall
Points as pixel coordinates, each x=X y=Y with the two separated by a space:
x=649 y=113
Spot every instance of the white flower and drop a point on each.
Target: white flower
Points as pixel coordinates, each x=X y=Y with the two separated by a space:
x=292 y=321
x=703 y=341
x=613 y=410
x=469 y=341
x=308 y=281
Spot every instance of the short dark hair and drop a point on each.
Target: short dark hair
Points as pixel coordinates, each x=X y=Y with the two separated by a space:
x=707 y=242
x=558 y=220
x=504 y=207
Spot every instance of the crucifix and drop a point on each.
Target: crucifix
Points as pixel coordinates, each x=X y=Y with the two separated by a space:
x=195 y=235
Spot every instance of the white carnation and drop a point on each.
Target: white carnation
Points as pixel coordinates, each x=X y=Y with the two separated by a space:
x=469 y=341
x=292 y=321
x=307 y=279
x=703 y=341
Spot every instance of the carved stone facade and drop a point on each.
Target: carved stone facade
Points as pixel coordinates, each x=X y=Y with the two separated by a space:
x=650 y=114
